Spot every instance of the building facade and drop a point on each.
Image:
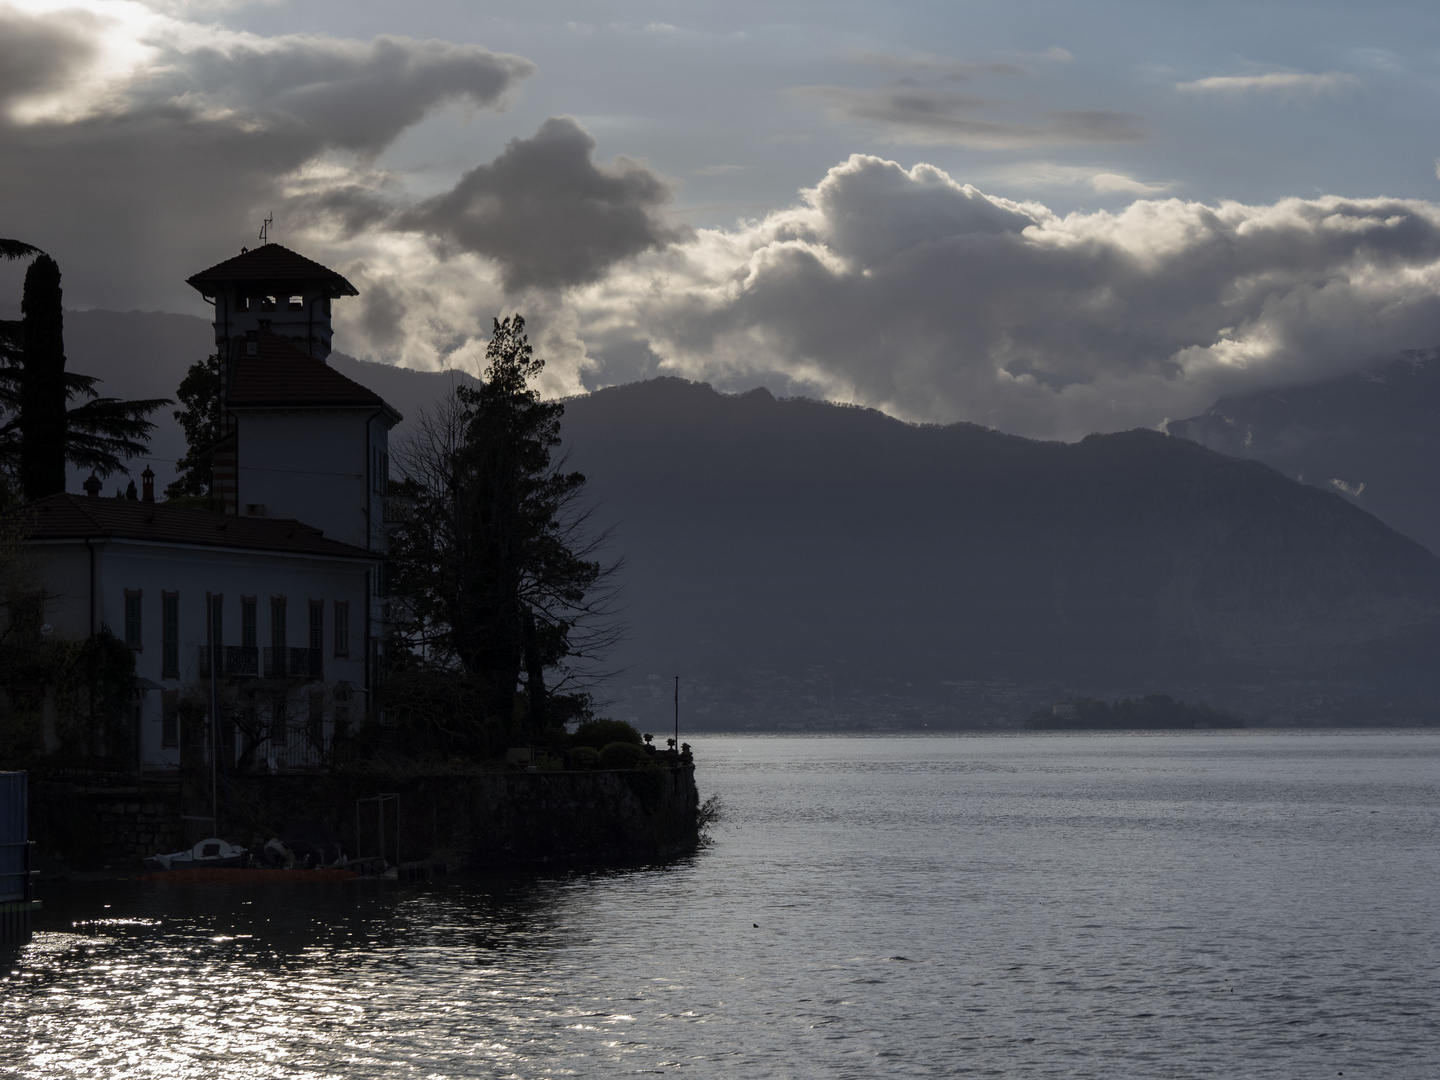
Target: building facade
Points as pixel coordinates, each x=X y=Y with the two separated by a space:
x=258 y=629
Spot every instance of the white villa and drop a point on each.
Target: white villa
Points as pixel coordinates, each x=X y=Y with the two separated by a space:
x=282 y=590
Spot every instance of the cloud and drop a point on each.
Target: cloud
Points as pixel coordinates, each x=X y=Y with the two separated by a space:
x=1288 y=85
x=179 y=136
x=39 y=53
x=1046 y=174
x=919 y=68
x=904 y=290
x=547 y=213
x=929 y=116
x=920 y=107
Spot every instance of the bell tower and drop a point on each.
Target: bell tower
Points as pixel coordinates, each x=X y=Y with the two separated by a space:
x=299 y=440
x=271 y=287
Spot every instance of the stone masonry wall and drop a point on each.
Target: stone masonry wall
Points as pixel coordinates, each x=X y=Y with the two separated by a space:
x=479 y=820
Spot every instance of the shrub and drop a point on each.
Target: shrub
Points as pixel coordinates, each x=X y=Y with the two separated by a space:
x=601 y=733
x=585 y=757
x=621 y=755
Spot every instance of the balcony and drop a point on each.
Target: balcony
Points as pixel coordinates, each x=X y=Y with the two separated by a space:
x=239 y=661
x=235 y=660
x=281 y=663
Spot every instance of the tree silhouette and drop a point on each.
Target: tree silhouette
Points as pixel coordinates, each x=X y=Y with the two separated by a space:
x=41 y=430
x=494 y=564
x=200 y=418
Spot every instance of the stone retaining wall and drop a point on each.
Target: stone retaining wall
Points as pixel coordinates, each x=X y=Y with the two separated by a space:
x=478 y=820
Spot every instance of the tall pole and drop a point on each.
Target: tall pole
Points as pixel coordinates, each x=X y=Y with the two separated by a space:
x=677 y=716
x=214 y=719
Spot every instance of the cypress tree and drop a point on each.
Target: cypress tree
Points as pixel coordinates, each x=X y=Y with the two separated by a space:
x=42 y=382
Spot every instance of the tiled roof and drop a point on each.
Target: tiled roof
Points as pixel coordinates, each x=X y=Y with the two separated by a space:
x=78 y=517
x=274 y=264
x=281 y=375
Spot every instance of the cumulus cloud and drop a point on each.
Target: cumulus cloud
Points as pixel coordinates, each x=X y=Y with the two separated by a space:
x=173 y=133
x=905 y=290
x=547 y=213
x=1287 y=85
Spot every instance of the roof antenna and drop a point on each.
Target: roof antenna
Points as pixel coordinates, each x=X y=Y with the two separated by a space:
x=265 y=227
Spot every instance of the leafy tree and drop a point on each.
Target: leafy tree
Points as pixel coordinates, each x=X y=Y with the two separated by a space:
x=200 y=419
x=41 y=431
x=494 y=566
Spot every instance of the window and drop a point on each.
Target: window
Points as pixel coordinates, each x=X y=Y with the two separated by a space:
x=169 y=718
x=277 y=622
x=342 y=628
x=132 y=618
x=169 y=635
x=247 y=621
x=297 y=303
x=215 y=631
x=317 y=624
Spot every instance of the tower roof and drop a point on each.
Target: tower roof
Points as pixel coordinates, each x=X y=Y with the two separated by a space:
x=280 y=376
x=273 y=265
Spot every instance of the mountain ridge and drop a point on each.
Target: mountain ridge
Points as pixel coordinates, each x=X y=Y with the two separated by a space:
x=973 y=555
x=802 y=560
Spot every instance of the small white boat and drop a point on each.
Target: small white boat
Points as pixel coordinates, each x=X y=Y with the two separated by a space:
x=207 y=854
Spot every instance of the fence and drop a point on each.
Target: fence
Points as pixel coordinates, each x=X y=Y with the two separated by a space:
x=15 y=902
x=278 y=662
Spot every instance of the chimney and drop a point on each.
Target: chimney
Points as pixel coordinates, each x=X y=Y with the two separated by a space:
x=92 y=486
x=147 y=481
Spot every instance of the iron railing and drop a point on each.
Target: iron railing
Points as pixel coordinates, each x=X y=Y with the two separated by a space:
x=286 y=663
x=234 y=660
x=273 y=662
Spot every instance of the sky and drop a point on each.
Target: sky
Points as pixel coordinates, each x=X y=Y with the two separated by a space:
x=1048 y=218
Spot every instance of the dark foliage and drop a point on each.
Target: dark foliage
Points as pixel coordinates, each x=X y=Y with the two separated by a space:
x=494 y=570
x=41 y=430
x=601 y=733
x=200 y=419
x=42 y=382
x=17 y=249
x=622 y=755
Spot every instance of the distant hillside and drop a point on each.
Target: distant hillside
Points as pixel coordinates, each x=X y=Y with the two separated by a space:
x=1374 y=437
x=808 y=564
x=821 y=555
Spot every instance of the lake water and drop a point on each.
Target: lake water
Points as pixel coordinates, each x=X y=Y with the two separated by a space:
x=1247 y=904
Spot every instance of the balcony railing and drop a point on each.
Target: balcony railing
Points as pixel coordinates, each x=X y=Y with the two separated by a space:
x=278 y=663
x=234 y=660
x=281 y=663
